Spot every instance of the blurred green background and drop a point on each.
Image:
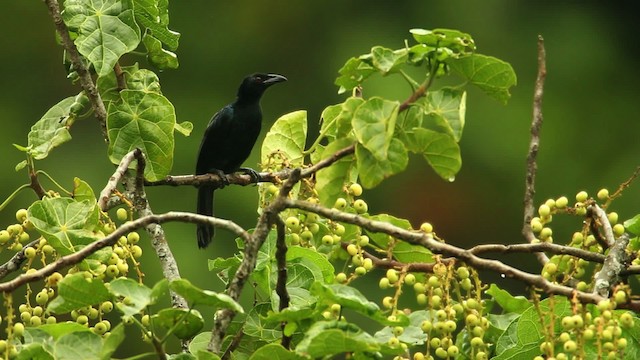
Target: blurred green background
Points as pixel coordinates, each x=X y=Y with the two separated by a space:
x=589 y=138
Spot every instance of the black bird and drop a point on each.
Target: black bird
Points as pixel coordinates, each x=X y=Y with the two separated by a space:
x=228 y=141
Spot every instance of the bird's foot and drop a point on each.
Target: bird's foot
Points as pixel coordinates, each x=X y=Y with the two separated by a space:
x=223 y=177
x=252 y=173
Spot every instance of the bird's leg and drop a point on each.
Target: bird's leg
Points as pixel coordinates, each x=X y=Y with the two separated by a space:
x=252 y=173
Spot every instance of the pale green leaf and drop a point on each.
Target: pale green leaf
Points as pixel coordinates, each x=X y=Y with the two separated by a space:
x=154 y=15
x=65 y=222
x=78 y=345
x=374 y=124
x=51 y=130
x=144 y=120
x=387 y=60
x=197 y=296
x=450 y=105
x=330 y=180
x=372 y=171
x=76 y=291
x=106 y=30
x=138 y=295
x=285 y=141
x=441 y=152
x=159 y=57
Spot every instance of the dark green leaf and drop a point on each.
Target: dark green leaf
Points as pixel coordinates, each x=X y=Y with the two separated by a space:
x=185 y=323
x=159 y=291
x=374 y=124
x=106 y=30
x=440 y=150
x=372 y=171
x=144 y=120
x=57 y=330
x=312 y=258
x=64 y=222
x=76 y=291
x=493 y=76
x=257 y=326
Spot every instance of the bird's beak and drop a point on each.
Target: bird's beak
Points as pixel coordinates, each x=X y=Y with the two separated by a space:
x=274 y=78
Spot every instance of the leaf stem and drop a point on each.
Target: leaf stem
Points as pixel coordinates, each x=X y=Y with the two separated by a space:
x=54 y=182
x=13 y=195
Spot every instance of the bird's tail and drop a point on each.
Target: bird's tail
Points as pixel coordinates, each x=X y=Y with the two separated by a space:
x=205 y=207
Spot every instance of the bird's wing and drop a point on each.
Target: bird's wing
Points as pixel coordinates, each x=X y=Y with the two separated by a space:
x=215 y=129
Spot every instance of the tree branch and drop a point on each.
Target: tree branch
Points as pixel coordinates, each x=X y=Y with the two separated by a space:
x=534 y=144
x=614 y=264
x=78 y=65
x=251 y=248
x=418 y=238
x=16 y=260
x=123 y=230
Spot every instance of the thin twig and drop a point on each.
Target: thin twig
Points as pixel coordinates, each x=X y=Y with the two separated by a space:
x=109 y=240
x=78 y=65
x=534 y=144
x=281 y=283
x=117 y=177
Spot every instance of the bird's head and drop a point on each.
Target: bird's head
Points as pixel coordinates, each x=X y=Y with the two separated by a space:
x=254 y=85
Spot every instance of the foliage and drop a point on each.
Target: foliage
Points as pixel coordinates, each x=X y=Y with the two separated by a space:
x=332 y=244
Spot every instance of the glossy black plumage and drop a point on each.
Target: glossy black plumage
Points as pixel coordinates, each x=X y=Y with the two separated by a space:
x=228 y=140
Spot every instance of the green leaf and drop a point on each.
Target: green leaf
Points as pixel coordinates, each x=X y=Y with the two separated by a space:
x=64 y=222
x=82 y=191
x=78 y=345
x=372 y=171
x=34 y=352
x=408 y=253
x=455 y=40
x=407 y=122
x=200 y=342
x=493 y=76
x=274 y=352
x=51 y=130
x=257 y=326
x=159 y=291
x=352 y=74
x=138 y=295
x=144 y=120
x=285 y=141
x=450 y=105
x=327 y=120
x=112 y=342
x=325 y=338
x=508 y=302
x=106 y=30
x=185 y=323
x=185 y=128
x=440 y=150
x=312 y=258
x=374 y=124
x=76 y=291
x=56 y=330
x=159 y=57
x=524 y=335
x=387 y=60
x=330 y=180
x=197 y=296
x=633 y=225
x=346 y=296
x=154 y=15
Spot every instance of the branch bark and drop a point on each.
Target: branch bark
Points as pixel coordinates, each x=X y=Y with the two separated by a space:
x=78 y=65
